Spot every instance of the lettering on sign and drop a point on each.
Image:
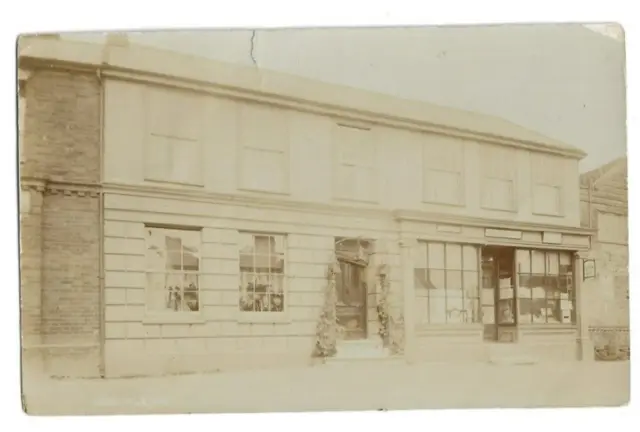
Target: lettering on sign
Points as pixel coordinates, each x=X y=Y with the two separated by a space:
x=510 y=234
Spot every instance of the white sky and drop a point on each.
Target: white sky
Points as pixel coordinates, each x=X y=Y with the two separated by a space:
x=564 y=81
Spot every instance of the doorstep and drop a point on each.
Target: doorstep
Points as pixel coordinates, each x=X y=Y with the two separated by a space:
x=506 y=354
x=364 y=350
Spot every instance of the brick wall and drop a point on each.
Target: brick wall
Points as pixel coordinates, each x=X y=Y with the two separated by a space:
x=60 y=237
x=605 y=209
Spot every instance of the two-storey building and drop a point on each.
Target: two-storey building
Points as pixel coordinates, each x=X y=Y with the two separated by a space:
x=185 y=215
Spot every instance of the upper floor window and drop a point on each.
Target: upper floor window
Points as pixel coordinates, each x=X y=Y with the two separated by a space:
x=547 y=184
x=173 y=150
x=356 y=175
x=447 y=283
x=264 y=143
x=498 y=167
x=262 y=273
x=443 y=162
x=173 y=269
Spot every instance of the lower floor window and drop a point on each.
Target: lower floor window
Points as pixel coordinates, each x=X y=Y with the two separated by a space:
x=546 y=293
x=262 y=273
x=447 y=281
x=173 y=267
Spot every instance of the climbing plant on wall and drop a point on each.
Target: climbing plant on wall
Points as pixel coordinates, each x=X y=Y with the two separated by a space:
x=327 y=328
x=391 y=328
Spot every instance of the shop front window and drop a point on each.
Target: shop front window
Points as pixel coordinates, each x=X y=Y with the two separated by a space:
x=546 y=290
x=447 y=281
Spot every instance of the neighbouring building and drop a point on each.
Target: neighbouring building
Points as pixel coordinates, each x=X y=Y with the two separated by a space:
x=604 y=208
x=183 y=215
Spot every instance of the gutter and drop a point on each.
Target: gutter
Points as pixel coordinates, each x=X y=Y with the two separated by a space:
x=162 y=67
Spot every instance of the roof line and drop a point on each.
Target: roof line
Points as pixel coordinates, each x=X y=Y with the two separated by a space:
x=172 y=67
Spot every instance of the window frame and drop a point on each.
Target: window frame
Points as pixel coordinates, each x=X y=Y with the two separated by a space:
x=269 y=317
x=574 y=287
x=153 y=98
x=544 y=171
x=492 y=173
x=244 y=110
x=339 y=164
x=428 y=152
x=168 y=316
x=476 y=311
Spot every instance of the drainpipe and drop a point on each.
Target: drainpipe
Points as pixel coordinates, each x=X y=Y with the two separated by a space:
x=589 y=204
x=101 y=276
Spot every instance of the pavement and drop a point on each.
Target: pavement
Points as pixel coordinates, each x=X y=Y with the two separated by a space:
x=339 y=387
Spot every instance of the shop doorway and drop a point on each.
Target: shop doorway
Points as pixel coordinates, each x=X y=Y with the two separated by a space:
x=499 y=305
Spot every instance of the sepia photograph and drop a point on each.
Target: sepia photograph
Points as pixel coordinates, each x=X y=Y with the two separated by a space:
x=323 y=219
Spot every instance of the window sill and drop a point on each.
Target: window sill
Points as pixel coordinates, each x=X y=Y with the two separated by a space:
x=256 y=191
x=499 y=209
x=555 y=215
x=174 y=318
x=157 y=181
x=548 y=326
x=263 y=318
x=444 y=203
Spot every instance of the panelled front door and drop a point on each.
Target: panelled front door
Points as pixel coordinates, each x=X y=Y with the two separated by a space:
x=351 y=309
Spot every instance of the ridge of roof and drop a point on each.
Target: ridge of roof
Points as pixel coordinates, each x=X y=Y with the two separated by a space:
x=604 y=171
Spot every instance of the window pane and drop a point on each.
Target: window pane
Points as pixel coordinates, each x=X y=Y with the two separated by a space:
x=470 y=313
x=277 y=264
x=276 y=302
x=523 y=261
x=263 y=263
x=279 y=244
x=453 y=254
x=525 y=310
x=470 y=284
x=435 y=254
x=246 y=291
x=537 y=262
x=455 y=306
x=554 y=313
x=264 y=170
x=436 y=280
x=185 y=157
x=191 y=294
x=470 y=257
x=263 y=244
x=437 y=312
x=364 y=183
x=420 y=256
x=173 y=284
x=539 y=311
x=421 y=282
x=246 y=243
x=454 y=280
x=566 y=265
x=552 y=263
x=277 y=284
x=156 y=258
x=422 y=309
x=551 y=287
